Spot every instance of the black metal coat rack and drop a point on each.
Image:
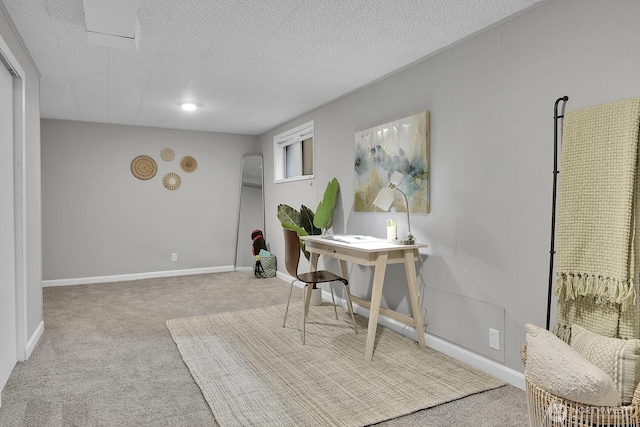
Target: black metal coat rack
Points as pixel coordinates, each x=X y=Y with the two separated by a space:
x=556 y=120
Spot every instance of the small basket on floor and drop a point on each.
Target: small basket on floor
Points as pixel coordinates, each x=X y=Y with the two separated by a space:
x=264 y=266
x=548 y=410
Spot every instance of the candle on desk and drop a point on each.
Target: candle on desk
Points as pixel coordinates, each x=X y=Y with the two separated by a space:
x=391 y=230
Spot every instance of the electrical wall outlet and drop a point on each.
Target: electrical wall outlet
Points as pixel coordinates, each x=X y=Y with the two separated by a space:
x=494 y=339
x=174 y=257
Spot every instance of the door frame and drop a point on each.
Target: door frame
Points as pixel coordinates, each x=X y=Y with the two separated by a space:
x=19 y=194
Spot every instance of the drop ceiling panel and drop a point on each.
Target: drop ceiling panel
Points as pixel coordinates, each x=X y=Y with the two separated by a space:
x=153 y=16
x=155 y=103
x=213 y=70
x=124 y=64
x=250 y=64
x=57 y=94
x=92 y=61
x=92 y=98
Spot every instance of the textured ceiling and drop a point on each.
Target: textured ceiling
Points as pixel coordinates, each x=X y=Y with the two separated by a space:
x=249 y=64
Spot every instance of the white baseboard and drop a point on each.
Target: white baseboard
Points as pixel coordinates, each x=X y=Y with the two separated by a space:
x=33 y=341
x=134 y=276
x=462 y=354
x=31 y=345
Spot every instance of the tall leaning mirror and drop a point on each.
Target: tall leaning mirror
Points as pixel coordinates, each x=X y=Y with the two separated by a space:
x=251 y=211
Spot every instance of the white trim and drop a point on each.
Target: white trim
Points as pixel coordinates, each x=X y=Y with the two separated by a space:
x=295 y=178
x=297 y=133
x=20 y=197
x=462 y=354
x=134 y=276
x=35 y=338
x=283 y=140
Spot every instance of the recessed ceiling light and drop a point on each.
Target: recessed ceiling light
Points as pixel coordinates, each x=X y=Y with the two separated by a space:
x=187 y=106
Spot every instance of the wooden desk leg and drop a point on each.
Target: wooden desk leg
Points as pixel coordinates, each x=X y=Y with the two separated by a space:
x=376 y=299
x=313 y=262
x=343 y=269
x=345 y=274
x=410 y=268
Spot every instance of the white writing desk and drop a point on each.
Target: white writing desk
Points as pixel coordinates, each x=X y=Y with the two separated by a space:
x=378 y=253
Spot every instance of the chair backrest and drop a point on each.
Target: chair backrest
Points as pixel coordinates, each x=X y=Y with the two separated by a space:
x=291 y=251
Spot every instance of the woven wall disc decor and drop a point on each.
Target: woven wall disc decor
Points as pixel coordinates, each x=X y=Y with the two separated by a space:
x=171 y=181
x=167 y=154
x=188 y=164
x=144 y=167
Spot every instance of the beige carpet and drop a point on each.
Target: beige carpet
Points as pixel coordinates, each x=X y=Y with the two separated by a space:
x=254 y=372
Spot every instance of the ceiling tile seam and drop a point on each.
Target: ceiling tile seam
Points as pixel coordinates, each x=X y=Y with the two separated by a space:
x=204 y=56
x=265 y=41
x=144 y=91
x=156 y=56
x=66 y=66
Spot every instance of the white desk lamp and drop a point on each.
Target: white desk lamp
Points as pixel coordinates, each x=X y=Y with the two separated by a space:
x=385 y=199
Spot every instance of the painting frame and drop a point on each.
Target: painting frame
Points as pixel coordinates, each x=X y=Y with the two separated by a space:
x=400 y=145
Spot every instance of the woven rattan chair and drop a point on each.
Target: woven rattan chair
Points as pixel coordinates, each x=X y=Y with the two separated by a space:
x=292 y=259
x=548 y=410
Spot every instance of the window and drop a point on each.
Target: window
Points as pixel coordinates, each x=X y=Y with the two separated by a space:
x=293 y=154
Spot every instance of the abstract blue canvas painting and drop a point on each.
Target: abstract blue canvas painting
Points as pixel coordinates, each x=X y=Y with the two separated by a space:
x=401 y=145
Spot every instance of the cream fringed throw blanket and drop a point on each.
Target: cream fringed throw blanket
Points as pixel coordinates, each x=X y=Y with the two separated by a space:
x=597 y=249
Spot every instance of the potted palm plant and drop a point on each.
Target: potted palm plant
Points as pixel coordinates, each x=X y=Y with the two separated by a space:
x=305 y=222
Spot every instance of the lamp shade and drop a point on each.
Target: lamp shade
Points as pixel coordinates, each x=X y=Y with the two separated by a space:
x=385 y=198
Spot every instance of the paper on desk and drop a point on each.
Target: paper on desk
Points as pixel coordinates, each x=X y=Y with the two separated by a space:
x=350 y=238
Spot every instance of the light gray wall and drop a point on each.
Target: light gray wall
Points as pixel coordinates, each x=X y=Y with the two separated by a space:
x=30 y=232
x=491 y=100
x=99 y=220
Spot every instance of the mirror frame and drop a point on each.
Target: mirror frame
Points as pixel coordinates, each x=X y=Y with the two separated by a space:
x=242 y=185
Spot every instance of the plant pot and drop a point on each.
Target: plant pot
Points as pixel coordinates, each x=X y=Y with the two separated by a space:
x=316 y=297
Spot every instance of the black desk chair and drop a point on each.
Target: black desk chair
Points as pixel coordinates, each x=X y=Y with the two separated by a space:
x=292 y=259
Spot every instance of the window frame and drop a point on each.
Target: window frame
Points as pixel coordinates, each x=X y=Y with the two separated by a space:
x=283 y=140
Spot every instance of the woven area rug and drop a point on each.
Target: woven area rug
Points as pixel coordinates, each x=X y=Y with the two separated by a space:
x=254 y=372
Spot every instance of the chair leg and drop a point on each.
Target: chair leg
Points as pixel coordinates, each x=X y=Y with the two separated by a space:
x=288 y=301
x=353 y=319
x=333 y=300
